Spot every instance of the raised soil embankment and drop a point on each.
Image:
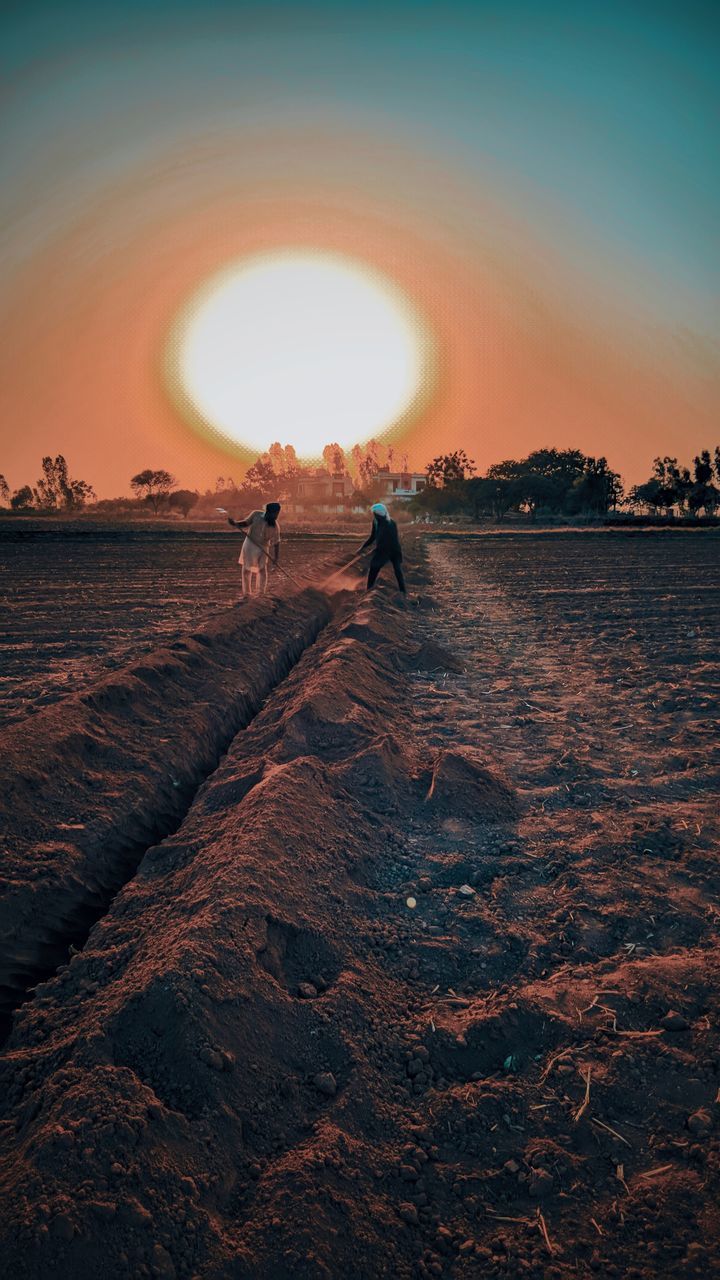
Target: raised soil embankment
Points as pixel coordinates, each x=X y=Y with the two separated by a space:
x=88 y=783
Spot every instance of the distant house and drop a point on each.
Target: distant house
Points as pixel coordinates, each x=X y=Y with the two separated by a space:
x=319 y=491
x=401 y=484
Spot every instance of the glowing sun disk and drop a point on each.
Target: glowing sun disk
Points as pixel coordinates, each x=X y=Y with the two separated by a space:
x=301 y=347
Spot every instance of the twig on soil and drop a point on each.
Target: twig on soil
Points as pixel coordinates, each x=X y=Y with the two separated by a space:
x=501 y=1217
x=583 y=1107
x=597 y=1228
x=654 y=1173
x=549 y=1244
x=558 y=1056
x=638 y=1035
x=614 y=1132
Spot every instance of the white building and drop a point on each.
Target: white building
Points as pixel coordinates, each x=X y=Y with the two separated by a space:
x=401 y=484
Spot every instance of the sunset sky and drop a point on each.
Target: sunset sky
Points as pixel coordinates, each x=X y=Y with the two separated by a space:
x=538 y=183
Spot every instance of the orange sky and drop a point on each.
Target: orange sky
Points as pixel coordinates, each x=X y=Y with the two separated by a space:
x=531 y=354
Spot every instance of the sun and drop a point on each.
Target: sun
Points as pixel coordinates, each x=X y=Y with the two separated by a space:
x=306 y=348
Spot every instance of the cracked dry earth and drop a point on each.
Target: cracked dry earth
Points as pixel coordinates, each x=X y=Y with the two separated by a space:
x=425 y=983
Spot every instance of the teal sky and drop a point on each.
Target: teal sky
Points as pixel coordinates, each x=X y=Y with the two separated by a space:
x=605 y=113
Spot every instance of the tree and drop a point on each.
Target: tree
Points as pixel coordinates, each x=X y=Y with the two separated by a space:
x=675 y=483
x=183 y=500
x=532 y=490
x=292 y=466
x=260 y=476
x=334 y=459
x=703 y=468
x=489 y=496
x=369 y=467
x=702 y=494
x=449 y=468
x=4 y=490
x=22 y=499
x=276 y=457
x=153 y=486
x=55 y=490
x=597 y=490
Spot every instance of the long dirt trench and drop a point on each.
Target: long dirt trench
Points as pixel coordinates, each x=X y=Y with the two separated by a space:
x=267 y=1062
x=90 y=782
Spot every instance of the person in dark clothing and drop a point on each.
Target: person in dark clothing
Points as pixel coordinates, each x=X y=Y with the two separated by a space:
x=385 y=536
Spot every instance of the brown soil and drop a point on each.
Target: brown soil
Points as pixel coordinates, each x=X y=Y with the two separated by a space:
x=266 y=1062
x=77 y=603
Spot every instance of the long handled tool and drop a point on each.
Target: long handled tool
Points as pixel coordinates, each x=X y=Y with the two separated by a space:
x=266 y=553
x=336 y=573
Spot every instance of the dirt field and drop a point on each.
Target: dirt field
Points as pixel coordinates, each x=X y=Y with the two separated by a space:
x=76 y=606
x=423 y=980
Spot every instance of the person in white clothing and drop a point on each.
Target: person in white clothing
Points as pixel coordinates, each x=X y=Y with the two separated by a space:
x=260 y=548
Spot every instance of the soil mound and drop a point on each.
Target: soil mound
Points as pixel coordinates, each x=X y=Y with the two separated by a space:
x=464 y=787
x=191 y=1072
x=88 y=784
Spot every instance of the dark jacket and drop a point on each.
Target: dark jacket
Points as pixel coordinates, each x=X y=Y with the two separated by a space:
x=385 y=536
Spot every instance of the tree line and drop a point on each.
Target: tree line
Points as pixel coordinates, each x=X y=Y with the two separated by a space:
x=565 y=482
x=53 y=491
x=274 y=472
x=548 y=482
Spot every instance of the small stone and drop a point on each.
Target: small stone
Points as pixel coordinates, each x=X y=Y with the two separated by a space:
x=307 y=991
x=511 y=1166
x=326 y=1083
x=674 y=1021
x=467 y=891
x=700 y=1123
x=411 y=903
x=408 y=1173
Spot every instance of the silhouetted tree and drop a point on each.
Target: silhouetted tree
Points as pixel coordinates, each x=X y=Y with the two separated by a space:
x=552 y=480
x=597 y=489
x=674 y=483
x=183 y=500
x=649 y=494
x=22 y=499
x=449 y=468
x=4 y=490
x=55 y=491
x=489 y=496
x=153 y=486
